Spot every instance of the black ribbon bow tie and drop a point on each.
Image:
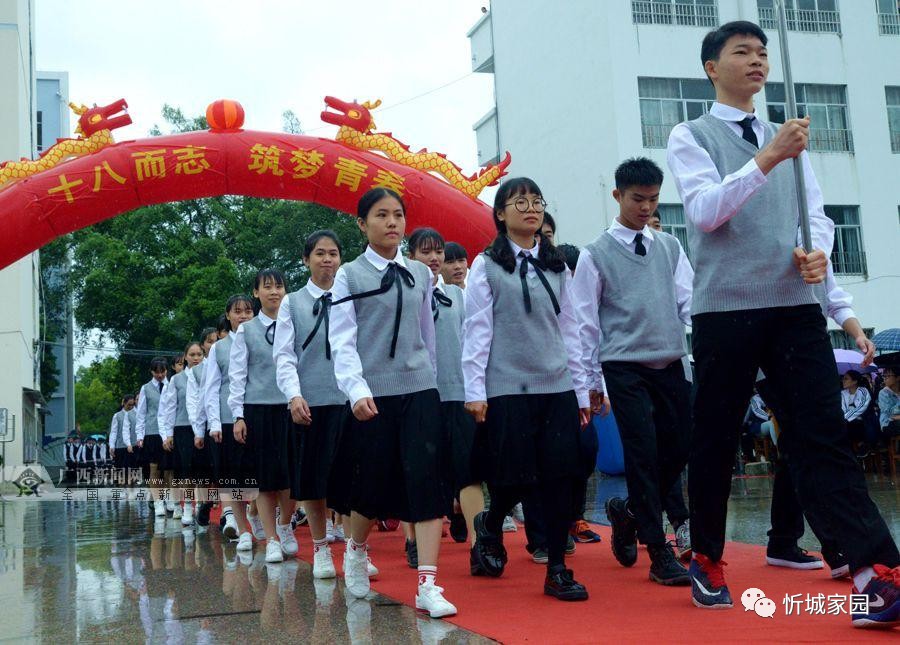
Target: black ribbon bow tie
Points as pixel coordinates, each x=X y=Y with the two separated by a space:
x=438 y=297
x=320 y=310
x=539 y=270
x=270 y=333
x=394 y=275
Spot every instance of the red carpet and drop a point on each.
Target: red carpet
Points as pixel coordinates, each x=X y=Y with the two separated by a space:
x=624 y=605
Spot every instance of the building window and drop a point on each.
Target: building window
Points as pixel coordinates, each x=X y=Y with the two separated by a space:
x=889 y=17
x=842 y=340
x=666 y=102
x=40 y=130
x=829 y=129
x=671 y=217
x=892 y=94
x=803 y=15
x=695 y=13
x=847 y=256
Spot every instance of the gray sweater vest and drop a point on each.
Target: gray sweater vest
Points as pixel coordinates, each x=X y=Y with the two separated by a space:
x=261 y=388
x=150 y=394
x=223 y=354
x=528 y=355
x=747 y=262
x=132 y=426
x=411 y=369
x=316 y=372
x=179 y=382
x=448 y=332
x=119 y=420
x=638 y=309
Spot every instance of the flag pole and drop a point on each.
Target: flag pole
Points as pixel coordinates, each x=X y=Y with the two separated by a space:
x=791 y=113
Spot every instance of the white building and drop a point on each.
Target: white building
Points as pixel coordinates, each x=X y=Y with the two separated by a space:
x=19 y=283
x=581 y=85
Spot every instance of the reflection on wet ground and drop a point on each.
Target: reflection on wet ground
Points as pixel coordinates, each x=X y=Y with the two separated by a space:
x=108 y=572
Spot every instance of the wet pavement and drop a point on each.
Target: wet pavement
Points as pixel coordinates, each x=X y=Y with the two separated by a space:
x=106 y=572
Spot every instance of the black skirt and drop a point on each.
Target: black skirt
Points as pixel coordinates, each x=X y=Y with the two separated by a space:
x=532 y=438
x=399 y=468
x=190 y=462
x=468 y=445
x=267 y=455
x=316 y=471
x=220 y=456
x=153 y=453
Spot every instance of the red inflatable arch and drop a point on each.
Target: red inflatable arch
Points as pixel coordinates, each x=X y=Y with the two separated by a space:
x=41 y=200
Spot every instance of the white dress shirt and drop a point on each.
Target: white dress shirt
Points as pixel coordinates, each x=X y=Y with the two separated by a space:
x=342 y=331
x=587 y=289
x=839 y=304
x=478 y=331
x=711 y=200
x=210 y=396
x=237 y=367
x=286 y=358
x=195 y=409
x=141 y=415
x=168 y=406
x=114 y=430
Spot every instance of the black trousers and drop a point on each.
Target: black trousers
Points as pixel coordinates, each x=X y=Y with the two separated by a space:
x=791 y=346
x=653 y=414
x=674 y=506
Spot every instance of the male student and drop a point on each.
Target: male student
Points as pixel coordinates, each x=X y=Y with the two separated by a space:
x=754 y=307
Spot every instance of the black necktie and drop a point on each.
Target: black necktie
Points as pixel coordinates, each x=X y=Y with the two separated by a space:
x=538 y=269
x=320 y=311
x=438 y=297
x=160 y=387
x=639 y=248
x=395 y=275
x=748 y=134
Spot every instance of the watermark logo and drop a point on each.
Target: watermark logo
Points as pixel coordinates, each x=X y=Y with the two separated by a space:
x=27 y=482
x=755 y=600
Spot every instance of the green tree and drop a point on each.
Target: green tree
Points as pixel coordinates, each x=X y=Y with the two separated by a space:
x=54 y=309
x=98 y=391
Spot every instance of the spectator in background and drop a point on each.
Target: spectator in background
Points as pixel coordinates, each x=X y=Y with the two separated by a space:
x=889 y=402
x=855 y=400
x=456 y=264
x=548 y=228
x=655 y=222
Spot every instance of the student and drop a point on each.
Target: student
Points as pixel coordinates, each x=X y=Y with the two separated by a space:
x=135 y=458
x=467 y=440
x=753 y=307
x=632 y=291
x=178 y=363
x=197 y=416
x=260 y=415
x=223 y=327
x=524 y=380
x=855 y=401
x=305 y=375
x=548 y=228
x=223 y=449
x=156 y=461
x=456 y=265
x=383 y=345
x=889 y=403
x=120 y=446
x=655 y=222
x=70 y=454
x=177 y=433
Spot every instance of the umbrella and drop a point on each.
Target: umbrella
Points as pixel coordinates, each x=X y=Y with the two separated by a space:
x=847 y=360
x=891 y=360
x=887 y=340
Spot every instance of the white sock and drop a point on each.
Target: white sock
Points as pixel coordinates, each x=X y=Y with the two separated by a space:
x=356 y=549
x=319 y=544
x=285 y=527
x=862 y=576
x=427 y=574
x=228 y=512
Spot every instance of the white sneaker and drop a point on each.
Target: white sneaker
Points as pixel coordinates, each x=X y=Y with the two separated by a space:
x=273 y=551
x=371 y=569
x=231 y=528
x=431 y=600
x=356 y=577
x=176 y=514
x=518 y=514
x=509 y=525
x=323 y=563
x=245 y=542
x=256 y=526
x=273 y=571
x=187 y=515
x=287 y=538
x=245 y=557
x=339 y=533
x=329 y=531
x=170 y=507
x=159 y=509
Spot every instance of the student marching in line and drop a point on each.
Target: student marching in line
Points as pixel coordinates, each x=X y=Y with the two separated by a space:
x=157 y=462
x=632 y=292
x=524 y=380
x=383 y=345
x=319 y=412
x=754 y=307
x=223 y=449
x=260 y=415
x=456 y=265
x=178 y=434
x=197 y=417
x=121 y=447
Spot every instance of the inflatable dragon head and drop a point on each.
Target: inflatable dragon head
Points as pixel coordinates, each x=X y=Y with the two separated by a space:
x=92 y=120
x=350 y=114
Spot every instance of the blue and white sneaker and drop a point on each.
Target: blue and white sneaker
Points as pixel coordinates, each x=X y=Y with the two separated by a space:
x=884 y=600
x=708 y=586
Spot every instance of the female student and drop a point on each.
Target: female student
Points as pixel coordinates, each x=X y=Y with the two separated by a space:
x=467 y=445
x=197 y=417
x=305 y=375
x=120 y=445
x=855 y=400
x=524 y=380
x=176 y=431
x=456 y=264
x=223 y=449
x=156 y=461
x=382 y=342
x=260 y=415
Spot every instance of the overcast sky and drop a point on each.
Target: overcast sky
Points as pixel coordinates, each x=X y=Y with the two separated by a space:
x=274 y=56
